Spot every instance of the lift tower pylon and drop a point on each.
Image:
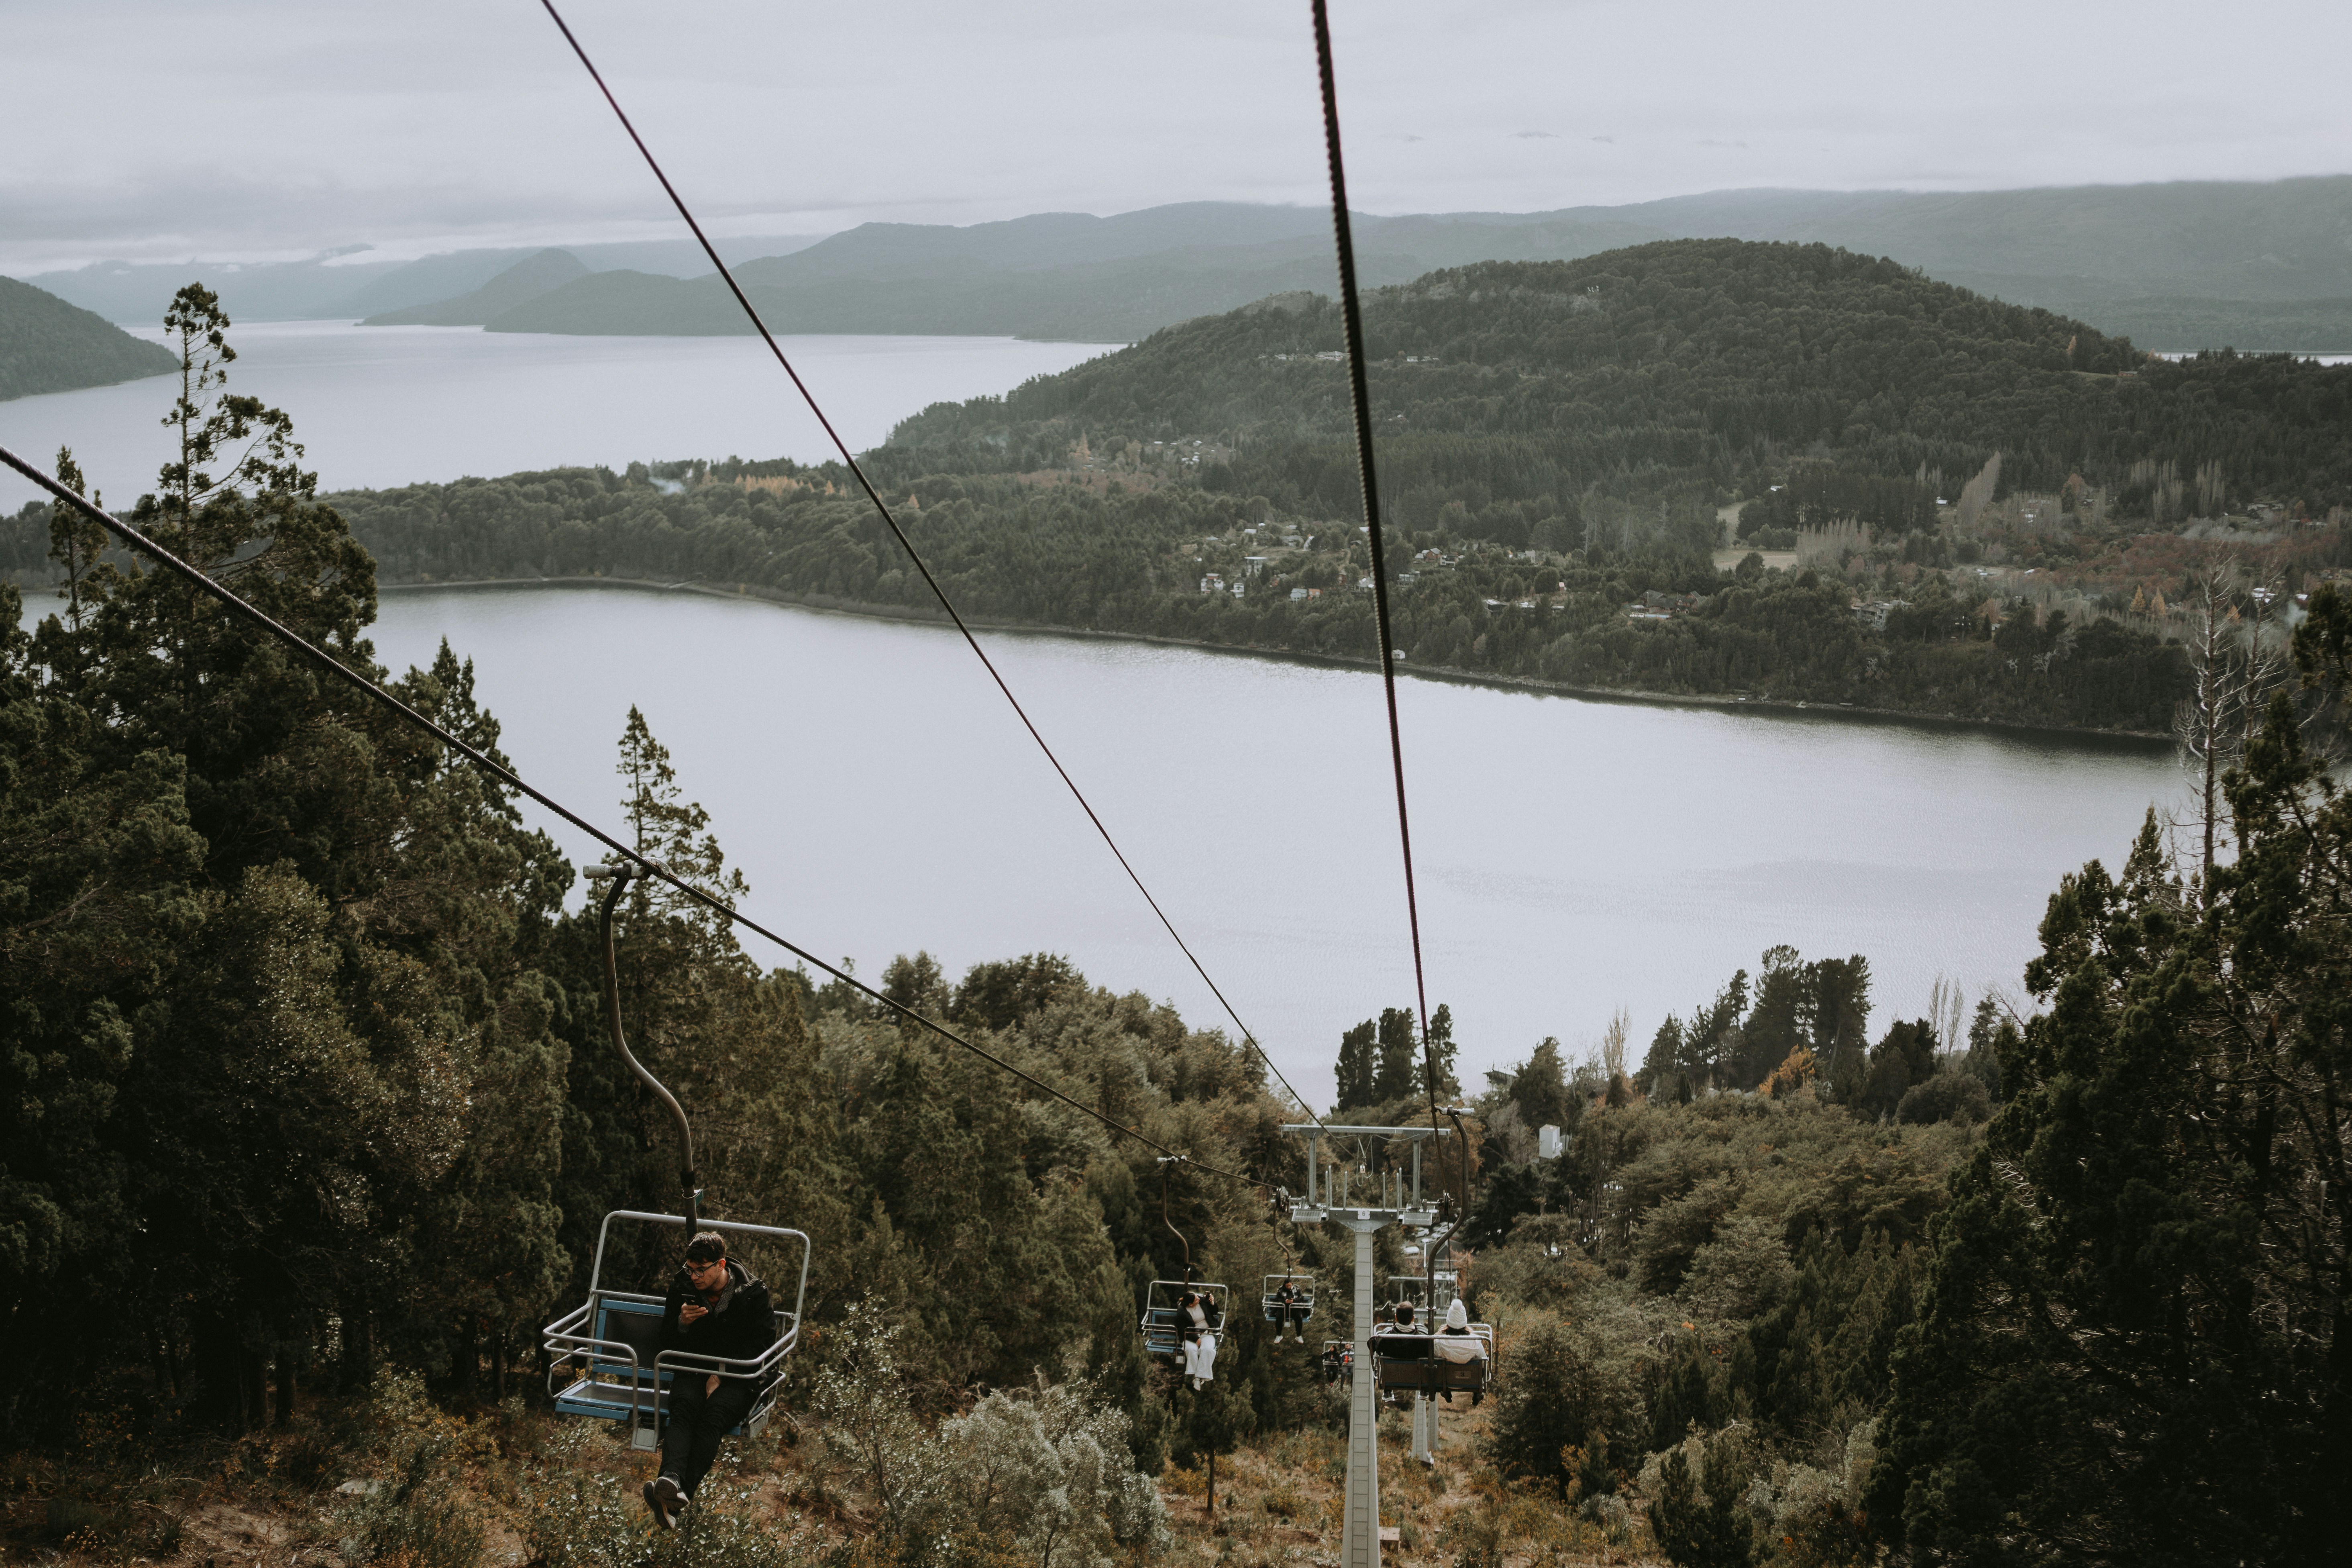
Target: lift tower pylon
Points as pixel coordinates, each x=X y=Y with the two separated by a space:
x=1366 y=1202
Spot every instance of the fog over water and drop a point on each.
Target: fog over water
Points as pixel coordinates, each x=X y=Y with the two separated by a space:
x=1574 y=856
x=378 y=407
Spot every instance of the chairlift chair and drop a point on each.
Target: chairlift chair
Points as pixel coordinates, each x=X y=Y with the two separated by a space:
x=605 y=1358
x=1416 y=1361
x=1272 y=1308
x=1427 y=1358
x=1164 y=1321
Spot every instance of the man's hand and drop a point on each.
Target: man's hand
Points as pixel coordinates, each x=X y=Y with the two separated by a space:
x=710 y=1387
x=691 y=1313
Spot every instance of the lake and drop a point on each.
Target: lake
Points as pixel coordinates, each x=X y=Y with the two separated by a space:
x=1574 y=856
x=378 y=407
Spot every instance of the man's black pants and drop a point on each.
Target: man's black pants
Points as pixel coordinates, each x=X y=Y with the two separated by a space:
x=698 y=1421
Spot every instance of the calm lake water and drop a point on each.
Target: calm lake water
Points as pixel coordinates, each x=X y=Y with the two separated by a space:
x=377 y=406
x=1575 y=856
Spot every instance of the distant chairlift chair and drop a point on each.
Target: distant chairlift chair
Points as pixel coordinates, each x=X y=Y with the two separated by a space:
x=1272 y=1308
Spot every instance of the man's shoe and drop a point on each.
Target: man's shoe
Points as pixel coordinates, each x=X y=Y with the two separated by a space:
x=664 y=1497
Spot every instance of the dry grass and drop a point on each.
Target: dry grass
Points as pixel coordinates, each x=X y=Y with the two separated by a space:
x=273 y=1502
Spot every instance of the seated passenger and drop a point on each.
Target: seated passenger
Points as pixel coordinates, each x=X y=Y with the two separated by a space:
x=1456 y=1343
x=1199 y=1341
x=1290 y=1314
x=716 y=1308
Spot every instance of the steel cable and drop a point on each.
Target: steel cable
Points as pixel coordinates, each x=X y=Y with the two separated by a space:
x=907 y=544
x=1352 y=318
x=652 y=867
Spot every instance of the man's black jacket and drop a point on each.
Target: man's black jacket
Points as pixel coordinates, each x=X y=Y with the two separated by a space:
x=741 y=1322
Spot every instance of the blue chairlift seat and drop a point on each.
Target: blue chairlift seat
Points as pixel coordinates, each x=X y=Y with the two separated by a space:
x=606 y=1359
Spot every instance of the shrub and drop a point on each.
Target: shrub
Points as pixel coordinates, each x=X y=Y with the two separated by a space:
x=1694 y=1505
x=592 y=1521
x=1556 y=1392
x=1745 y=1270
x=1672 y=1232
x=1949 y=1096
x=417 y=1517
x=1054 y=1466
x=309 y=1461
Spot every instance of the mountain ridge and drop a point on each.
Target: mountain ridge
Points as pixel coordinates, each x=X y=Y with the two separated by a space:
x=47 y=344
x=526 y=280
x=2266 y=265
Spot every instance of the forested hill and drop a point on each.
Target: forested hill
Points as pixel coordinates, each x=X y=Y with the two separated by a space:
x=47 y=345
x=1690 y=364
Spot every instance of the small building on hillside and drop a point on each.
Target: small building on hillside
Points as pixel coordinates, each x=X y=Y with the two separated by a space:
x=1874 y=614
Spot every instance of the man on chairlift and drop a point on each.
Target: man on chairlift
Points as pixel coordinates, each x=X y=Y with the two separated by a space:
x=716 y=1308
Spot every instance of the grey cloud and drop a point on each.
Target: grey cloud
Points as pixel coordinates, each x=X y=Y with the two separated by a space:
x=261 y=128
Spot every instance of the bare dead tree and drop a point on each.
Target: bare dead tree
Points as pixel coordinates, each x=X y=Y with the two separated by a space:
x=2237 y=647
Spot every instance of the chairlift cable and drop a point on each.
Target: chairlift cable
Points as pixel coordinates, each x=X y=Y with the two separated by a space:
x=859 y=472
x=1360 y=394
x=651 y=867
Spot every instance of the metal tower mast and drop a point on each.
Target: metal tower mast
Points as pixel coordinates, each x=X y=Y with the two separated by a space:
x=1366 y=1202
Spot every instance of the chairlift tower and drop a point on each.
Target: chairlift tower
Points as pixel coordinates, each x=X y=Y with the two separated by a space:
x=1366 y=1202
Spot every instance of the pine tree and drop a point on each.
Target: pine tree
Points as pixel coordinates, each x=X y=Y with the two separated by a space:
x=1356 y=1068
x=1398 y=1076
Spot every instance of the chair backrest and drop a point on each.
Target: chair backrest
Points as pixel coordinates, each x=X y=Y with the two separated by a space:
x=1161 y=1298
x=635 y=1324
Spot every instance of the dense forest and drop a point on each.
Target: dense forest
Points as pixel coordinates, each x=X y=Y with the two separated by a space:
x=1561 y=444
x=1525 y=388
x=310 y=1113
x=1974 y=488
x=48 y=345
x=1166 y=562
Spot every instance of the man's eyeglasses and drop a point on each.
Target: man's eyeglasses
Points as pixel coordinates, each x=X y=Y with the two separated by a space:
x=693 y=1267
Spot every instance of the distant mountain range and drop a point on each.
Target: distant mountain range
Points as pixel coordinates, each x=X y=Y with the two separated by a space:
x=518 y=285
x=342 y=285
x=48 y=345
x=2177 y=267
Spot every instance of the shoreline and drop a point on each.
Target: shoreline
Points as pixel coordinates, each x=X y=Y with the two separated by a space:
x=827 y=604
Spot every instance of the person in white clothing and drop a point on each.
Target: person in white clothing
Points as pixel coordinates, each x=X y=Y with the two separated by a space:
x=1456 y=1343
x=1200 y=1340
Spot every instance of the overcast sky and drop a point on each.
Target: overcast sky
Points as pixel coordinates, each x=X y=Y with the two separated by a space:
x=161 y=130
